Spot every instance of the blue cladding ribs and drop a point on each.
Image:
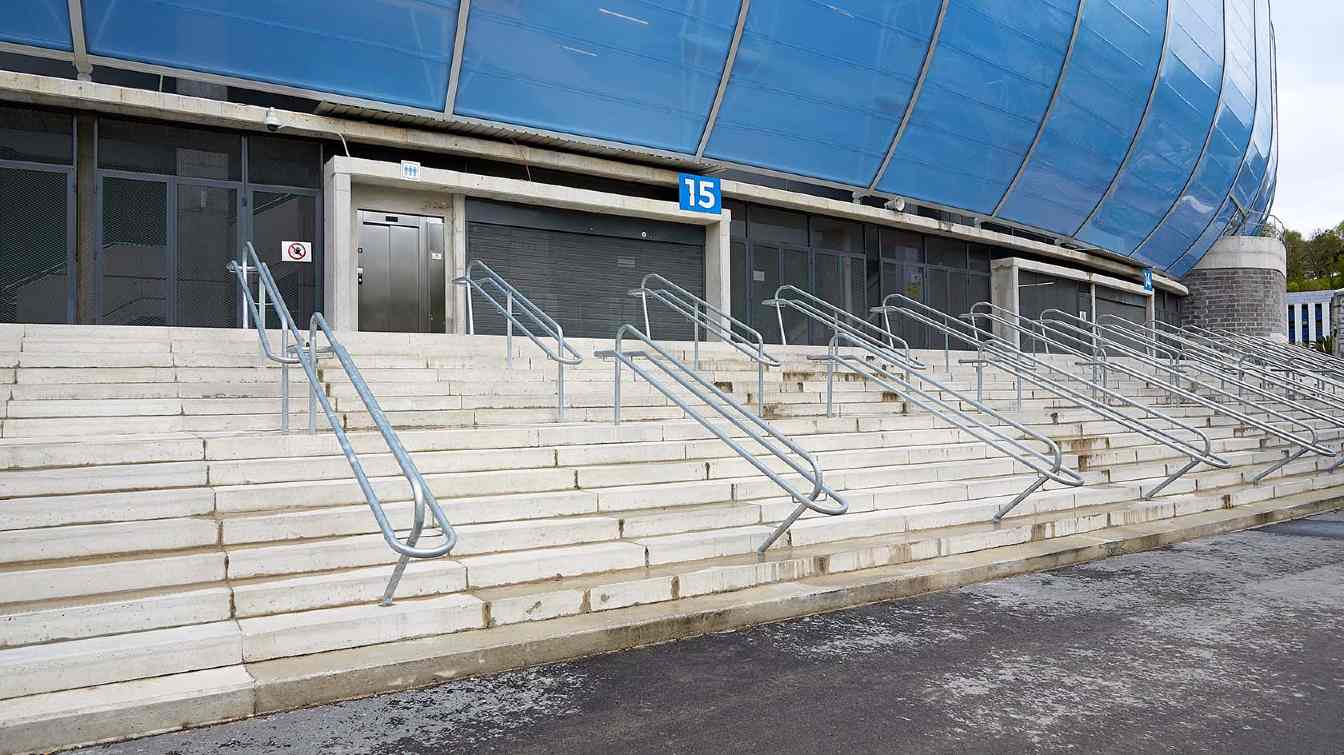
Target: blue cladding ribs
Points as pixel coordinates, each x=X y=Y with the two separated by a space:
x=40 y=23
x=392 y=51
x=1173 y=136
x=1100 y=103
x=988 y=86
x=633 y=71
x=1212 y=179
x=819 y=89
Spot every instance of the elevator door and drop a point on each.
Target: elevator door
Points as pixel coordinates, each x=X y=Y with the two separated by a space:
x=401 y=273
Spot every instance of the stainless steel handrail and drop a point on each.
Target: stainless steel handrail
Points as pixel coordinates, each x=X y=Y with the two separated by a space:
x=306 y=358
x=993 y=313
x=1308 y=443
x=1032 y=369
x=1220 y=363
x=840 y=321
x=563 y=354
x=699 y=312
x=1048 y=467
x=754 y=427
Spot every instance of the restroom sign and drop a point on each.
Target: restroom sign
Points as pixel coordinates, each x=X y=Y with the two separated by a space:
x=296 y=251
x=1147 y=279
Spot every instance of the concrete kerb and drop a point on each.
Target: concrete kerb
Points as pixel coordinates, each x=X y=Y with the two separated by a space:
x=290 y=683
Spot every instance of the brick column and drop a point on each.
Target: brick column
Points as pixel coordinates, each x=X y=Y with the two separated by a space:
x=1240 y=285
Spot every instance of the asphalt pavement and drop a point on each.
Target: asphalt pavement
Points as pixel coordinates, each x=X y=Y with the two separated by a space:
x=1230 y=644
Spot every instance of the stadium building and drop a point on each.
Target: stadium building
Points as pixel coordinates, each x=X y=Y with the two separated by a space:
x=952 y=150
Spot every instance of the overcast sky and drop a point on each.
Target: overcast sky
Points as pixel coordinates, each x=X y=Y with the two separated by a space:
x=1311 y=113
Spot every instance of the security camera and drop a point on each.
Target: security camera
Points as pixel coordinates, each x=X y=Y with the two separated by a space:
x=272 y=120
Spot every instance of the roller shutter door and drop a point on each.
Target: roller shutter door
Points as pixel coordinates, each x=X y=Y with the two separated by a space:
x=579 y=267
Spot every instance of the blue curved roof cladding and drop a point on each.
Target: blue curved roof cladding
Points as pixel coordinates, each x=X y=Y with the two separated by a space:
x=633 y=71
x=1216 y=170
x=41 y=23
x=820 y=90
x=1122 y=124
x=1172 y=138
x=1253 y=168
x=1101 y=101
x=393 y=51
x=990 y=81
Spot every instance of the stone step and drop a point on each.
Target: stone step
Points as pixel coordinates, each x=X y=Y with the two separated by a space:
x=95 y=508
x=86 y=540
x=105 y=478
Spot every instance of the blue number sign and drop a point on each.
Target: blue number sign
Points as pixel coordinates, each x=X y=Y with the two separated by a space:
x=699 y=193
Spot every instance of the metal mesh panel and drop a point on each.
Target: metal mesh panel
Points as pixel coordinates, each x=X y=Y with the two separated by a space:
x=34 y=246
x=277 y=218
x=207 y=238
x=134 y=255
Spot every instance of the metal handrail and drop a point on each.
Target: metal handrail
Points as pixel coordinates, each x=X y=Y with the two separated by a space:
x=563 y=354
x=699 y=312
x=1268 y=370
x=421 y=494
x=1049 y=467
x=1032 y=369
x=840 y=321
x=1197 y=455
x=754 y=427
x=1308 y=443
x=1294 y=354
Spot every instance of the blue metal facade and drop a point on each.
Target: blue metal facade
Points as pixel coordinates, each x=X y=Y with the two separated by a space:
x=1143 y=127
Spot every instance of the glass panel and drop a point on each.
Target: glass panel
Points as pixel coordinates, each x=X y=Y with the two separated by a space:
x=769 y=224
x=841 y=235
x=794 y=270
x=34 y=254
x=980 y=257
x=988 y=86
x=764 y=282
x=284 y=162
x=207 y=239
x=946 y=252
x=638 y=72
x=939 y=296
x=133 y=259
x=36 y=136
x=902 y=246
x=41 y=23
x=388 y=50
x=739 y=287
x=169 y=150
x=277 y=218
x=830 y=287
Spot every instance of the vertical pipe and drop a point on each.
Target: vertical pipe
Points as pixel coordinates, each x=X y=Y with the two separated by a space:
x=980 y=382
x=561 y=390
x=947 y=352
x=312 y=389
x=508 y=332
x=696 y=322
x=760 y=386
x=616 y=395
x=284 y=380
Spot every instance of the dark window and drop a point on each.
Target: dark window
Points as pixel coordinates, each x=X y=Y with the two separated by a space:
x=946 y=252
x=1292 y=324
x=278 y=161
x=738 y=228
x=979 y=257
x=902 y=246
x=169 y=150
x=36 y=136
x=841 y=235
x=769 y=224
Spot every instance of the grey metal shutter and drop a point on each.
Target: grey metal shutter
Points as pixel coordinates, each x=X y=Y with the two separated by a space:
x=582 y=279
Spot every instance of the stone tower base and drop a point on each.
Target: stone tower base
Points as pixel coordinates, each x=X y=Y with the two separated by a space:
x=1241 y=284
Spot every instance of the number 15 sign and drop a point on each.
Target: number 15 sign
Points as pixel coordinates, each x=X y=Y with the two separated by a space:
x=699 y=193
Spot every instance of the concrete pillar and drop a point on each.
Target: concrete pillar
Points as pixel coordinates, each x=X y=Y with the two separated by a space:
x=718 y=270
x=1240 y=285
x=457 y=295
x=340 y=281
x=1003 y=281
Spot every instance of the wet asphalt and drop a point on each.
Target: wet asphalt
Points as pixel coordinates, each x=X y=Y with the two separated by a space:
x=1230 y=644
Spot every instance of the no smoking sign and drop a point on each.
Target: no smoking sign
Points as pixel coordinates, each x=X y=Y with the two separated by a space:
x=296 y=251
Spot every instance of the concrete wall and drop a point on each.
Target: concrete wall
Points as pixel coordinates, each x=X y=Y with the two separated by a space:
x=1240 y=285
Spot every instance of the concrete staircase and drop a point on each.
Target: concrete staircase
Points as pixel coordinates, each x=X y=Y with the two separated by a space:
x=163 y=548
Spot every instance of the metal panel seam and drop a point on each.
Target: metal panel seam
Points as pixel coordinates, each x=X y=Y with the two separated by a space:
x=1138 y=131
x=1208 y=139
x=459 y=44
x=1049 y=110
x=914 y=95
x=723 y=79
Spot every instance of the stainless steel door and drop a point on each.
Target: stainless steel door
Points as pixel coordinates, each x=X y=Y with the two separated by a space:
x=401 y=273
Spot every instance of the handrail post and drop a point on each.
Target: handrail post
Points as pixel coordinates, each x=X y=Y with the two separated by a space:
x=695 y=322
x=560 y=392
x=830 y=377
x=312 y=389
x=508 y=333
x=471 y=317
x=616 y=391
x=284 y=381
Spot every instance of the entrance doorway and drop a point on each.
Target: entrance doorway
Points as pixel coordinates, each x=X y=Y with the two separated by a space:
x=401 y=273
